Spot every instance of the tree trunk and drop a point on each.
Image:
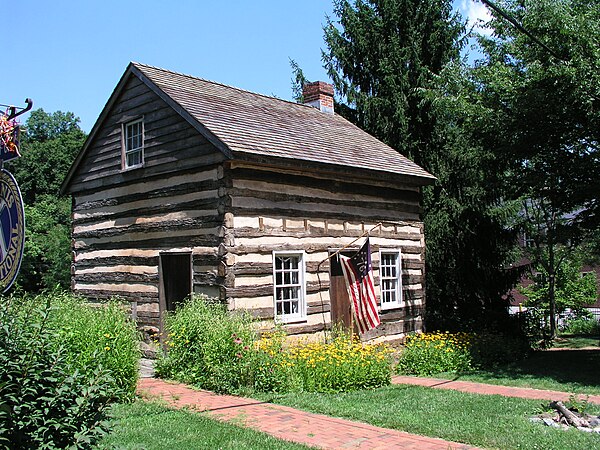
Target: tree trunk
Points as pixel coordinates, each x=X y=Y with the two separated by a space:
x=552 y=299
x=551 y=288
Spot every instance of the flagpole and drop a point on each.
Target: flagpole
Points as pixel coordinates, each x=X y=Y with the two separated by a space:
x=366 y=233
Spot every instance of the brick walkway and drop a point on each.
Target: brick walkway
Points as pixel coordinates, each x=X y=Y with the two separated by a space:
x=490 y=389
x=290 y=424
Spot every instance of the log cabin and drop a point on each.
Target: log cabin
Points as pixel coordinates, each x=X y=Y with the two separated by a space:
x=190 y=186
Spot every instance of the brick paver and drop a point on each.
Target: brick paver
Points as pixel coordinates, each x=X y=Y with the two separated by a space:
x=490 y=389
x=290 y=424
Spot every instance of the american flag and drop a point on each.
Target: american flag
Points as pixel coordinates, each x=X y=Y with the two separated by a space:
x=358 y=274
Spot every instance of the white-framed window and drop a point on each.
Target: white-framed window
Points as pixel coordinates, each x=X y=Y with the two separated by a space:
x=289 y=287
x=133 y=144
x=390 y=278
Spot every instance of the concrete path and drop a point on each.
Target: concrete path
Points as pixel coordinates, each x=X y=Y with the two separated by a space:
x=490 y=389
x=286 y=423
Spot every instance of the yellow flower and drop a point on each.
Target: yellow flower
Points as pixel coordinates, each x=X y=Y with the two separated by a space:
x=107 y=348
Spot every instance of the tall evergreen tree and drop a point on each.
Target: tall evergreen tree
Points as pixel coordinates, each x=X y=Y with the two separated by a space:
x=396 y=63
x=380 y=54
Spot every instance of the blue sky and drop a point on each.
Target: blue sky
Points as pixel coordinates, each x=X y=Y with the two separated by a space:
x=68 y=55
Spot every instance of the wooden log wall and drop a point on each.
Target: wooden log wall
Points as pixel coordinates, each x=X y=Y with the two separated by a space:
x=290 y=210
x=124 y=219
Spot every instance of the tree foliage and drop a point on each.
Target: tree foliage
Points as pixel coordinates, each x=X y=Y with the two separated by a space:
x=573 y=290
x=49 y=146
x=545 y=125
x=380 y=53
x=396 y=63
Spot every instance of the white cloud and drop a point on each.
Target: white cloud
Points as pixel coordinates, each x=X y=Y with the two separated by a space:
x=477 y=14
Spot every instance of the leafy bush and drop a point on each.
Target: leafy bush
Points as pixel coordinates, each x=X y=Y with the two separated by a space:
x=217 y=350
x=208 y=346
x=582 y=324
x=44 y=400
x=429 y=353
x=97 y=335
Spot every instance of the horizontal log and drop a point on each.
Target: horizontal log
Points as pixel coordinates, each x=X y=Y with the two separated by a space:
x=117 y=261
x=268 y=313
x=121 y=277
x=92 y=294
x=307 y=247
x=208 y=279
x=248 y=206
x=170 y=226
x=270 y=199
x=319 y=232
x=344 y=174
x=156 y=244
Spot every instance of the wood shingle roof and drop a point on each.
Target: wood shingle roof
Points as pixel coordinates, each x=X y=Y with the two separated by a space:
x=250 y=123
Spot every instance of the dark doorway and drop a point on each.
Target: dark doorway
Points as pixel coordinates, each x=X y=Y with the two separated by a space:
x=341 y=308
x=176 y=279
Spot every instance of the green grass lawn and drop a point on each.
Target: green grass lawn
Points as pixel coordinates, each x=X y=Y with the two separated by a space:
x=577 y=341
x=576 y=371
x=148 y=426
x=487 y=421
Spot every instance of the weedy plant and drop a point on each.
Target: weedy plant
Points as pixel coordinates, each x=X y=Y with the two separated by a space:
x=45 y=401
x=429 y=353
x=98 y=335
x=207 y=346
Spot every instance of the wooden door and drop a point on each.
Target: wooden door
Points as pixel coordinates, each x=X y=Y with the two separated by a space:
x=341 y=308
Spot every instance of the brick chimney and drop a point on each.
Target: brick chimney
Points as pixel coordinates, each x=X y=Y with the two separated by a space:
x=319 y=95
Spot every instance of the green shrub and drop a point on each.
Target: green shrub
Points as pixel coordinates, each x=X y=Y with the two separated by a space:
x=44 y=400
x=208 y=346
x=583 y=324
x=430 y=353
x=98 y=335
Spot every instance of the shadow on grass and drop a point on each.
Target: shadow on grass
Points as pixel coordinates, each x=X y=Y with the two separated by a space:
x=581 y=367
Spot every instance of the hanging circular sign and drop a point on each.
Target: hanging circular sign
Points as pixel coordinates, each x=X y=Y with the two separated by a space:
x=12 y=230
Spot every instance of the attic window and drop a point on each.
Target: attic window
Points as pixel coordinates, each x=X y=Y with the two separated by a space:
x=133 y=144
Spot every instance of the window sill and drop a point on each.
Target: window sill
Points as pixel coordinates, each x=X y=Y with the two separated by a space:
x=390 y=307
x=290 y=321
x=129 y=169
